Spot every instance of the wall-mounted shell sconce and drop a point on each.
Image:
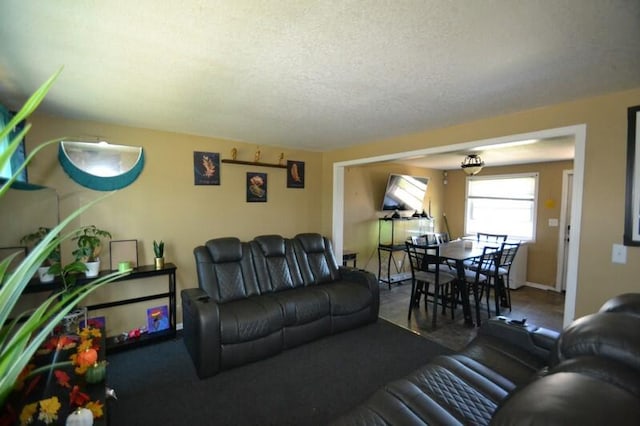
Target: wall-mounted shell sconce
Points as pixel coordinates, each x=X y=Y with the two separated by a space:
x=100 y=165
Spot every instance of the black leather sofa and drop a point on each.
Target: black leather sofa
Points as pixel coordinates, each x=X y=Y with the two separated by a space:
x=258 y=298
x=515 y=374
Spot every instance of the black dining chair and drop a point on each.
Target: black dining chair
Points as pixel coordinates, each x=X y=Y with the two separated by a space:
x=492 y=238
x=484 y=274
x=426 y=268
x=509 y=251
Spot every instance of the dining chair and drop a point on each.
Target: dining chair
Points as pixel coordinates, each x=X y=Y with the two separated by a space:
x=443 y=237
x=428 y=239
x=497 y=238
x=484 y=275
x=426 y=268
x=509 y=251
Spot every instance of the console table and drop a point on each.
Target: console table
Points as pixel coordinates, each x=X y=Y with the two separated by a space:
x=115 y=344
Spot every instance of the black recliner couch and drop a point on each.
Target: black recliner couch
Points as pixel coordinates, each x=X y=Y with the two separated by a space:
x=518 y=374
x=258 y=298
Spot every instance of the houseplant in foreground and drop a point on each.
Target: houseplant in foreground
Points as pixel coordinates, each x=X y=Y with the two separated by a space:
x=21 y=336
x=89 y=242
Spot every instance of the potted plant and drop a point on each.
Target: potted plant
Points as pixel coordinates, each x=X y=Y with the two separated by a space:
x=89 y=242
x=45 y=272
x=29 y=329
x=158 y=250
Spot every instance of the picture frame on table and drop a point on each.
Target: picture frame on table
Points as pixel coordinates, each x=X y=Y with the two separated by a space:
x=632 y=196
x=123 y=251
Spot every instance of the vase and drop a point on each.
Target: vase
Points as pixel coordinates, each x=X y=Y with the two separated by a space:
x=93 y=269
x=44 y=275
x=159 y=261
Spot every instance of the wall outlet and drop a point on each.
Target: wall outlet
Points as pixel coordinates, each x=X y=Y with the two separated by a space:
x=619 y=254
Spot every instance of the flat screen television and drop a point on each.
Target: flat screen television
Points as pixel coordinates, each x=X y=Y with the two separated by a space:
x=404 y=192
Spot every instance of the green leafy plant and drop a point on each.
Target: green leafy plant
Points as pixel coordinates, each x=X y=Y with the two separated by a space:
x=158 y=248
x=89 y=242
x=21 y=336
x=34 y=238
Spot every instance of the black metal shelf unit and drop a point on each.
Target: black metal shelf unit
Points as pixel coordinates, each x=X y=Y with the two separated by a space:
x=115 y=344
x=391 y=249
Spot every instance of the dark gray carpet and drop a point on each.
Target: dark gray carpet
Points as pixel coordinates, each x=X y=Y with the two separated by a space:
x=308 y=385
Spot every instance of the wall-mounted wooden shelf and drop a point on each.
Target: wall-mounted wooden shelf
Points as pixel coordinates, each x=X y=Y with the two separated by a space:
x=254 y=163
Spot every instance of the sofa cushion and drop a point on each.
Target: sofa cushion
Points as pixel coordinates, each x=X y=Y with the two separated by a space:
x=347 y=297
x=249 y=319
x=316 y=259
x=302 y=305
x=506 y=360
x=569 y=399
x=271 y=245
x=604 y=334
x=275 y=263
x=227 y=249
x=225 y=269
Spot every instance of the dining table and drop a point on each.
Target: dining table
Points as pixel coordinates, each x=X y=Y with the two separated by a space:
x=460 y=251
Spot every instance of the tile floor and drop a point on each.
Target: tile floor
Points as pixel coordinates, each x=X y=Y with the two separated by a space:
x=540 y=307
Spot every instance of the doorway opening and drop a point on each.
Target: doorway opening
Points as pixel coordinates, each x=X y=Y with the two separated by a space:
x=578 y=132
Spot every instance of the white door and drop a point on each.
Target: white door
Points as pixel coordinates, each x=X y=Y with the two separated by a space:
x=565 y=227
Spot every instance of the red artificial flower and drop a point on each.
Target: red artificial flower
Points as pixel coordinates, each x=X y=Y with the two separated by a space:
x=78 y=398
x=62 y=378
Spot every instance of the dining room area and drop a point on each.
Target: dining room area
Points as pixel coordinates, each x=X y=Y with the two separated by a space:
x=379 y=238
x=540 y=307
x=454 y=285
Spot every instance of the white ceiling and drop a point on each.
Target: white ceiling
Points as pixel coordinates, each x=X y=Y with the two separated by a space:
x=534 y=151
x=314 y=75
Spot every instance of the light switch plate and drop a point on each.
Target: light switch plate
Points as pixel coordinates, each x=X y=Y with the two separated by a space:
x=619 y=254
x=553 y=223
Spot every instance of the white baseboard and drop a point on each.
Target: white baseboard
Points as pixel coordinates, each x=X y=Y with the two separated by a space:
x=540 y=286
x=179 y=326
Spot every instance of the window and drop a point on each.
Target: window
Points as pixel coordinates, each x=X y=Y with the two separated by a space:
x=19 y=155
x=504 y=204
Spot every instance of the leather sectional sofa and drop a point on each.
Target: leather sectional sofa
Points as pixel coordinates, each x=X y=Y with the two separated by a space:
x=518 y=374
x=258 y=298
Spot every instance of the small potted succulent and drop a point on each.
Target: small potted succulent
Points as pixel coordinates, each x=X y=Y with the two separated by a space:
x=89 y=242
x=31 y=240
x=158 y=250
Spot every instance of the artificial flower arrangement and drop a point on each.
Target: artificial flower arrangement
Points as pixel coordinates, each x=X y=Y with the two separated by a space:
x=67 y=390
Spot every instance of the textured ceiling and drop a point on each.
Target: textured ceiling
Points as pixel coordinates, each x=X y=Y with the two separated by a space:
x=313 y=74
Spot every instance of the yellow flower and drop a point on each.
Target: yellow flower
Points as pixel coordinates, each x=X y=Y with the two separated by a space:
x=86 y=344
x=96 y=408
x=49 y=410
x=26 y=416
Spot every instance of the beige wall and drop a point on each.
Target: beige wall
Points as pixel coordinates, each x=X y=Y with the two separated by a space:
x=543 y=253
x=165 y=204
x=364 y=190
x=603 y=188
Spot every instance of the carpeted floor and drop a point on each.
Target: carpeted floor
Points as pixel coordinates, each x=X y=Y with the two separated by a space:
x=311 y=384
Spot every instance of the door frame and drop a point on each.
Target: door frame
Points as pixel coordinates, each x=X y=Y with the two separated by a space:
x=561 y=270
x=578 y=132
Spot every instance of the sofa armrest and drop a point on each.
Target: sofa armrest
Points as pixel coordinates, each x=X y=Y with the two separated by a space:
x=366 y=279
x=533 y=339
x=201 y=330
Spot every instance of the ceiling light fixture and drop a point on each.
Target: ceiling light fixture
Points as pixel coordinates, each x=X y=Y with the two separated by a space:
x=472 y=164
